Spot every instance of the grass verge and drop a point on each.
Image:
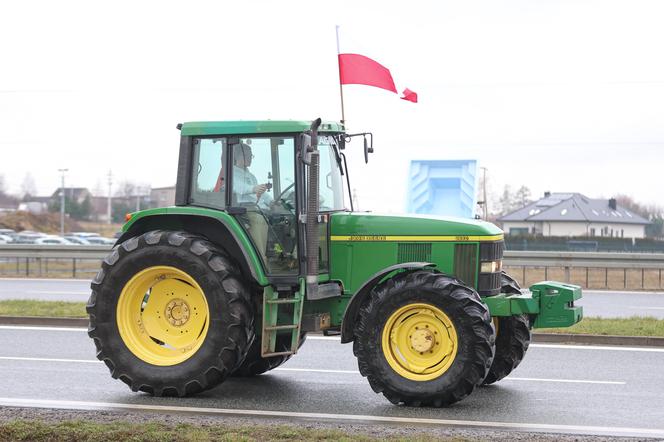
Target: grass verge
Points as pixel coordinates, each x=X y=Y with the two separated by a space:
x=633 y=326
x=59 y=309
x=30 y=430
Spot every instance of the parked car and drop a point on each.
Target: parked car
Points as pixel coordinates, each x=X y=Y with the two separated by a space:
x=53 y=240
x=79 y=240
x=100 y=240
x=7 y=232
x=28 y=237
x=5 y=239
x=84 y=234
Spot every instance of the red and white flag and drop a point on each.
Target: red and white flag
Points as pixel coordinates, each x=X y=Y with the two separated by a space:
x=360 y=69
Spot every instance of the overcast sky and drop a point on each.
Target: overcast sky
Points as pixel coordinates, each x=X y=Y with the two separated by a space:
x=554 y=95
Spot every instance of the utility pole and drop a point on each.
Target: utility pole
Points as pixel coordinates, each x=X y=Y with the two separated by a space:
x=62 y=202
x=108 y=207
x=138 y=198
x=485 y=206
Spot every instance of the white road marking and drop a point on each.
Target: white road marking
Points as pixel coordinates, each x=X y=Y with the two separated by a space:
x=84 y=405
x=323 y=338
x=77 y=361
x=312 y=370
x=566 y=381
x=317 y=370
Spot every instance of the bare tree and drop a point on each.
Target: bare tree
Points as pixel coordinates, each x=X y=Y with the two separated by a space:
x=28 y=187
x=126 y=189
x=522 y=197
x=506 y=200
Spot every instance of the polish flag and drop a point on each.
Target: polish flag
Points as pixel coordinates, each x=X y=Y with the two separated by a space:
x=359 y=69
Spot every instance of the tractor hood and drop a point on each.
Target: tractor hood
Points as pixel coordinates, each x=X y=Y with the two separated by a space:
x=357 y=224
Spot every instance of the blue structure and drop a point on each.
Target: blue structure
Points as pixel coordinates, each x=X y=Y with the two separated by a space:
x=442 y=187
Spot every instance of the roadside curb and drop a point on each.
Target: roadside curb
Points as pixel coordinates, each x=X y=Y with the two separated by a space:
x=44 y=321
x=561 y=338
x=539 y=338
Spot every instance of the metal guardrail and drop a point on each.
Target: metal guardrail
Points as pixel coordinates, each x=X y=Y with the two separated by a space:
x=53 y=251
x=601 y=260
x=512 y=257
x=29 y=258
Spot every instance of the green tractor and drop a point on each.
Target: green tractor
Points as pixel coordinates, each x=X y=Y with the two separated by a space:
x=263 y=247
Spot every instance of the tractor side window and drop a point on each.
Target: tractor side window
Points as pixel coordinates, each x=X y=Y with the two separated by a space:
x=208 y=176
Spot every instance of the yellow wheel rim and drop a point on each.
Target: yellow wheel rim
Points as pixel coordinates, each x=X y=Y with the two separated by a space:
x=419 y=342
x=162 y=315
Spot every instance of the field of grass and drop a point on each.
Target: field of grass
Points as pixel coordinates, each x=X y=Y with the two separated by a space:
x=82 y=431
x=634 y=326
x=58 y=309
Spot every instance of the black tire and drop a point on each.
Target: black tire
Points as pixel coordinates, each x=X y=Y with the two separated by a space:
x=471 y=320
x=254 y=364
x=512 y=338
x=230 y=331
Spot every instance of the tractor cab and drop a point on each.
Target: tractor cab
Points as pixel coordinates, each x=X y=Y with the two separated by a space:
x=260 y=178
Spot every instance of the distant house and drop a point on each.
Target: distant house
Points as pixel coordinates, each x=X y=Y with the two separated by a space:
x=162 y=196
x=78 y=194
x=573 y=214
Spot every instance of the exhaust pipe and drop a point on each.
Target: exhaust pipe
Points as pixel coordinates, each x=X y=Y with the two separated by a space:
x=312 y=230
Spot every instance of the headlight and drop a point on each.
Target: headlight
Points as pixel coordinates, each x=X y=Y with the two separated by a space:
x=491 y=267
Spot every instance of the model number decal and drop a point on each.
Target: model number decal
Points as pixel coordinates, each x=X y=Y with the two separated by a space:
x=368 y=238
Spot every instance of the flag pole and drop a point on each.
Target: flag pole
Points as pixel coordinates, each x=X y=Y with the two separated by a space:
x=341 y=89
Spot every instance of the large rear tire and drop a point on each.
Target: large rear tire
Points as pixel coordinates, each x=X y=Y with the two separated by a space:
x=512 y=338
x=424 y=338
x=169 y=314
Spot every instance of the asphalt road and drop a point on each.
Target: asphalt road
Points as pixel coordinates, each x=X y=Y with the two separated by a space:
x=562 y=389
x=606 y=304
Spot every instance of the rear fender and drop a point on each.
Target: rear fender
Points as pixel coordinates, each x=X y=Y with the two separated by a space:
x=224 y=232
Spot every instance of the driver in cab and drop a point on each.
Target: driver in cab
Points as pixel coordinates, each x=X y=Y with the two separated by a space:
x=245 y=185
x=246 y=190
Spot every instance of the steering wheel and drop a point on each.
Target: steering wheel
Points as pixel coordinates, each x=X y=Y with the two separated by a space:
x=283 y=201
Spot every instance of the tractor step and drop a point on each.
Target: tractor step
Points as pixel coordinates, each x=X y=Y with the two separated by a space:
x=278 y=353
x=283 y=301
x=282 y=327
x=277 y=320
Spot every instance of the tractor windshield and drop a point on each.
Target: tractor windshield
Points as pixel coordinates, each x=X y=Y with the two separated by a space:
x=330 y=186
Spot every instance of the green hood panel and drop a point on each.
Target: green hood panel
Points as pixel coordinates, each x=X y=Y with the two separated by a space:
x=370 y=224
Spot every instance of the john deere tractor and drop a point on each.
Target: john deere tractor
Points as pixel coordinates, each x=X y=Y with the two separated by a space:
x=263 y=247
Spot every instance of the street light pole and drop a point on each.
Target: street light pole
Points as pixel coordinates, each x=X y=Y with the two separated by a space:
x=62 y=202
x=486 y=203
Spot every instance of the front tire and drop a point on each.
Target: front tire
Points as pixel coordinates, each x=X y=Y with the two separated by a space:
x=169 y=314
x=424 y=338
x=512 y=337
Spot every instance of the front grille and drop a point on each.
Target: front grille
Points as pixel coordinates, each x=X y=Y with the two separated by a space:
x=465 y=263
x=414 y=252
x=488 y=284
x=492 y=251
